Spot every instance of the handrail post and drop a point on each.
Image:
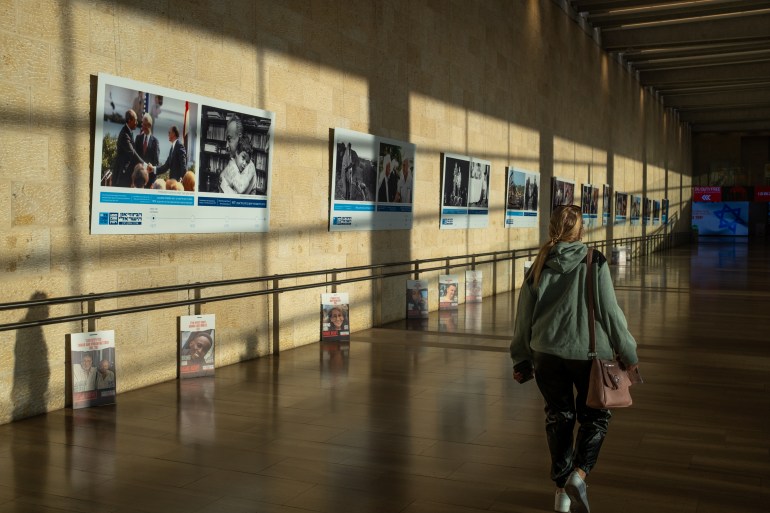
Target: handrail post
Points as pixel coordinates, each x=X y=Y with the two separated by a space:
x=417 y=270
x=276 y=319
x=473 y=262
x=197 y=296
x=494 y=274
x=91 y=308
x=513 y=271
x=378 y=298
x=447 y=265
x=334 y=282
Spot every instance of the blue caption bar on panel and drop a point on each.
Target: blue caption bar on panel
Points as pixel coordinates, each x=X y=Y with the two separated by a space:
x=344 y=207
x=518 y=213
x=154 y=198
x=394 y=208
x=231 y=202
x=477 y=212
x=451 y=211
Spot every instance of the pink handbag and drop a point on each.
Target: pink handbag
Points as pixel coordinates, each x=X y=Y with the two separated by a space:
x=608 y=386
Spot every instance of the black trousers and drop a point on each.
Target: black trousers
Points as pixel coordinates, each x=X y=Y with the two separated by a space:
x=555 y=378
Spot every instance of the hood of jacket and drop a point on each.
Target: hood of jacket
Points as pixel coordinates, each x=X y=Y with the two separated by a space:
x=565 y=256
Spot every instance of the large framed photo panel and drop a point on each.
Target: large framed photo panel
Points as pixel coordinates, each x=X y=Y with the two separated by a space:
x=606 y=204
x=590 y=205
x=521 y=199
x=636 y=210
x=562 y=192
x=372 y=183
x=167 y=161
x=621 y=208
x=465 y=192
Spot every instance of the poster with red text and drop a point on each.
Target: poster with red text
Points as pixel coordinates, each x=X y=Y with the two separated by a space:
x=93 y=368
x=473 y=290
x=448 y=291
x=335 y=317
x=196 y=346
x=416 y=299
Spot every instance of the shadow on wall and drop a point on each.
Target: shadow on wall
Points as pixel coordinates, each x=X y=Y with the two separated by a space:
x=31 y=373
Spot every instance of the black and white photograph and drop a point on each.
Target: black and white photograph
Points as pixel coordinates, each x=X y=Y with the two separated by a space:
x=636 y=210
x=389 y=173
x=464 y=192
x=606 y=203
x=621 y=207
x=590 y=205
x=562 y=192
x=478 y=186
x=646 y=210
x=235 y=152
x=356 y=176
x=372 y=181
x=456 y=176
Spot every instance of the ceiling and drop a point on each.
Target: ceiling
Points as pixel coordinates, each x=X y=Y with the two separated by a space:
x=709 y=60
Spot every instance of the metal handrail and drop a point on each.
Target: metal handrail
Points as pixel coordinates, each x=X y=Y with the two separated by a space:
x=416 y=268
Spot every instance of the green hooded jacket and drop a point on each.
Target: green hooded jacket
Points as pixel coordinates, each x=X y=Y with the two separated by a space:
x=552 y=317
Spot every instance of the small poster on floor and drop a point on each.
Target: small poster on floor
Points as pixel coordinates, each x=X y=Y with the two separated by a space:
x=448 y=286
x=473 y=291
x=335 y=319
x=196 y=346
x=93 y=368
x=416 y=299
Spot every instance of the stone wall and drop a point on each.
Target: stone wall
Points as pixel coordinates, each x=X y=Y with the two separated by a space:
x=517 y=83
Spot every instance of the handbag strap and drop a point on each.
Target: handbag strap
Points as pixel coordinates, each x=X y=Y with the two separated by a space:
x=591 y=321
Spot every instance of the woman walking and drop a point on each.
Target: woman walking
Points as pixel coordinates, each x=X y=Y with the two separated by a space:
x=551 y=331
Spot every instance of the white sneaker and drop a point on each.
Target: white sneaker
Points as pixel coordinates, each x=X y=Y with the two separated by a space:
x=561 y=502
x=576 y=489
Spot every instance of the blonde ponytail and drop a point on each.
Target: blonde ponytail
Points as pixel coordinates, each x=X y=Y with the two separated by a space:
x=566 y=226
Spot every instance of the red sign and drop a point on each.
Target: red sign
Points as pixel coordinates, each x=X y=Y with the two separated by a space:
x=762 y=193
x=707 y=194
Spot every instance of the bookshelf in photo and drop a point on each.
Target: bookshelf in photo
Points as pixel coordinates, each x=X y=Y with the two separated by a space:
x=214 y=154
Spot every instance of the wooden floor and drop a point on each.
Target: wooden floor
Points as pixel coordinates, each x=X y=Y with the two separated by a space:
x=423 y=418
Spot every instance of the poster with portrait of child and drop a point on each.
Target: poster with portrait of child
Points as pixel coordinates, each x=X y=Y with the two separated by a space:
x=335 y=316
x=93 y=368
x=196 y=346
